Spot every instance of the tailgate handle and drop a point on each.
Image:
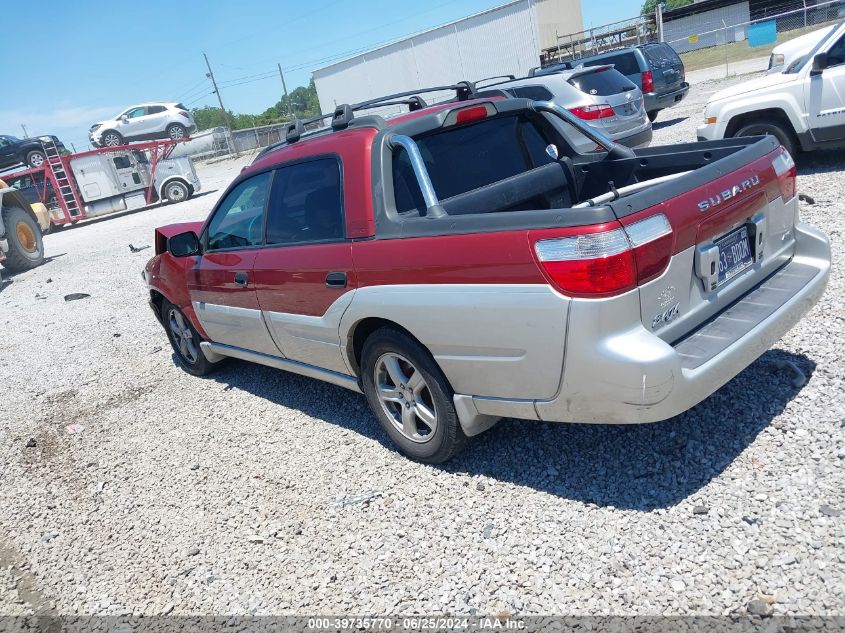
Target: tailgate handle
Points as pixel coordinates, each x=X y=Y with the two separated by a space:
x=707 y=265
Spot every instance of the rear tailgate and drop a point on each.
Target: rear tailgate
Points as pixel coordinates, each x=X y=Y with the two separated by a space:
x=666 y=67
x=608 y=86
x=728 y=235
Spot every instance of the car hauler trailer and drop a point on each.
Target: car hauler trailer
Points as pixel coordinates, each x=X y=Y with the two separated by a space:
x=108 y=180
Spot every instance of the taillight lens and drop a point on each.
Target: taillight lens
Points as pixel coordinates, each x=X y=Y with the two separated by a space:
x=593 y=112
x=784 y=167
x=607 y=263
x=648 y=81
x=475 y=113
x=184 y=114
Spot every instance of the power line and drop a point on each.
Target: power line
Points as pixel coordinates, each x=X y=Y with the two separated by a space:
x=185 y=94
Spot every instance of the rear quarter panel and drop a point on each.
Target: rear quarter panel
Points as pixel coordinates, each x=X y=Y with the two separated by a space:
x=478 y=302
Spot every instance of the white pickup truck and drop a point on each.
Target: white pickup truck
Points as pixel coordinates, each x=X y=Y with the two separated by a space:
x=803 y=106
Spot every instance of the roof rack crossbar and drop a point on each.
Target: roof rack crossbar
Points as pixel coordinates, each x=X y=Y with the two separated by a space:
x=502 y=77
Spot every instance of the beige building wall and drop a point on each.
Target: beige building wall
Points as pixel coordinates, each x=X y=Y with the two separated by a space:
x=561 y=15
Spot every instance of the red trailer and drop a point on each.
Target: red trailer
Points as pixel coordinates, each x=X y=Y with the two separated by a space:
x=66 y=205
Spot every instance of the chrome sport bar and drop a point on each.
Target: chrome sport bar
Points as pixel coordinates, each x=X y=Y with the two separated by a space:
x=432 y=204
x=614 y=150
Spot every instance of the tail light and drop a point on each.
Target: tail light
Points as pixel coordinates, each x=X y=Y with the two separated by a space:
x=471 y=114
x=784 y=167
x=185 y=114
x=607 y=262
x=647 y=79
x=593 y=112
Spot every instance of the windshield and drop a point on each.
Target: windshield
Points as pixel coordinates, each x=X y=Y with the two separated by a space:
x=799 y=63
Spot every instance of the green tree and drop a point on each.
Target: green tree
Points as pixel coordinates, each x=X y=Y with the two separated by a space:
x=649 y=6
x=302 y=102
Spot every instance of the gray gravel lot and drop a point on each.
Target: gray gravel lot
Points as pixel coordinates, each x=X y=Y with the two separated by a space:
x=255 y=491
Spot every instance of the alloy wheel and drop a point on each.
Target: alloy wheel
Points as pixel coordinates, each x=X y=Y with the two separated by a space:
x=405 y=397
x=183 y=336
x=36 y=160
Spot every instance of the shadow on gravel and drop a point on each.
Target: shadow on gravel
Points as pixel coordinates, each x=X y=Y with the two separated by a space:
x=636 y=467
x=659 y=125
x=821 y=162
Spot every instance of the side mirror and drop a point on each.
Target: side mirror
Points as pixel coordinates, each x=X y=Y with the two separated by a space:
x=183 y=244
x=124 y=118
x=819 y=63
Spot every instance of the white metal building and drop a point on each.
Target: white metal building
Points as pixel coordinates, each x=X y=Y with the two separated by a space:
x=504 y=40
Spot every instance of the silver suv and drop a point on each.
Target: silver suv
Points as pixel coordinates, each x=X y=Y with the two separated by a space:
x=601 y=96
x=144 y=122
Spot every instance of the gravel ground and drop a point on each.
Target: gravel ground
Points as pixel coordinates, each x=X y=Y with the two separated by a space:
x=255 y=491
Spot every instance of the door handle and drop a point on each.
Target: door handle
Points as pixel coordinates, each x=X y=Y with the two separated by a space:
x=241 y=279
x=336 y=280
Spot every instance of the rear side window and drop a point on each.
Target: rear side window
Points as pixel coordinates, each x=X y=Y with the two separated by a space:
x=625 y=63
x=306 y=204
x=155 y=109
x=660 y=55
x=471 y=156
x=536 y=93
x=603 y=83
x=179 y=106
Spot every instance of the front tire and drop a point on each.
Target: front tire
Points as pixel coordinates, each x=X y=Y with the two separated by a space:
x=176 y=191
x=110 y=138
x=35 y=158
x=185 y=341
x=410 y=397
x=779 y=131
x=177 y=132
x=26 y=245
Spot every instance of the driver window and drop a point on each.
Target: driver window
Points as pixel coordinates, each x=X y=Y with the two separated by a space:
x=238 y=222
x=135 y=113
x=836 y=54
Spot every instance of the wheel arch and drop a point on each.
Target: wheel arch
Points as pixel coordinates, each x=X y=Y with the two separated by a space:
x=361 y=330
x=776 y=114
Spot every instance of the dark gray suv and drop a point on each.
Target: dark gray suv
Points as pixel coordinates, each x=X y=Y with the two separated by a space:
x=655 y=68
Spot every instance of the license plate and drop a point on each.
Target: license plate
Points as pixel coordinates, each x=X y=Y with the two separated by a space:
x=734 y=254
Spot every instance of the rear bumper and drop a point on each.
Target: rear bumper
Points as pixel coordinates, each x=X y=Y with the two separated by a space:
x=627 y=375
x=637 y=139
x=662 y=101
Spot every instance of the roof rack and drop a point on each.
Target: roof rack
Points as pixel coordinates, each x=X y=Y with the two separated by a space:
x=503 y=79
x=344 y=114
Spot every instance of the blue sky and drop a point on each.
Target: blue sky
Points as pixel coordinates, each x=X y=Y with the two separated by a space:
x=110 y=55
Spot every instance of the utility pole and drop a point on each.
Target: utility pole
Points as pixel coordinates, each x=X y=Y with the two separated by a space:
x=285 y=88
x=25 y=133
x=210 y=75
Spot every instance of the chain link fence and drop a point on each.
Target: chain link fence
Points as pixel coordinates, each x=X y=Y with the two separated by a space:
x=731 y=35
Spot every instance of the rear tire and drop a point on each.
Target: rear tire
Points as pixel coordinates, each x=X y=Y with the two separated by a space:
x=185 y=341
x=110 y=138
x=35 y=158
x=778 y=130
x=410 y=397
x=652 y=115
x=26 y=245
x=176 y=132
